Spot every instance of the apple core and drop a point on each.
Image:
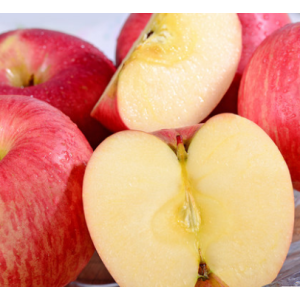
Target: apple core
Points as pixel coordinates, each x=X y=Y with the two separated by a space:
x=189 y=218
x=189 y=215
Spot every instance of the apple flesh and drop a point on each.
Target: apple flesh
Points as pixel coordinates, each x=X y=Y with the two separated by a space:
x=58 y=68
x=269 y=93
x=44 y=240
x=255 y=28
x=214 y=208
x=174 y=75
x=130 y=32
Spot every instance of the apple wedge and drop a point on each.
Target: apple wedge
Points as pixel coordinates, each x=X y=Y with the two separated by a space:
x=175 y=74
x=255 y=28
x=208 y=205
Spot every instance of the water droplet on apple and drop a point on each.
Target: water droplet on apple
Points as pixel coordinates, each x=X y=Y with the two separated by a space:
x=258 y=25
x=266 y=17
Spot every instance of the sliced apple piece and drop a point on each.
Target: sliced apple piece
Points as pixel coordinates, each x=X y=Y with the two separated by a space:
x=215 y=210
x=174 y=75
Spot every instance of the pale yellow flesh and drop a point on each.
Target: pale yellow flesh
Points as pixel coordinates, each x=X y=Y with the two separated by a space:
x=126 y=194
x=133 y=194
x=245 y=196
x=179 y=74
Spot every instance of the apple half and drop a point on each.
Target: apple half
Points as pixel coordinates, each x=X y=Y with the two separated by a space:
x=175 y=74
x=207 y=205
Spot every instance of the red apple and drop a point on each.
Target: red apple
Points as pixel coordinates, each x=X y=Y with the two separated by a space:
x=44 y=240
x=255 y=28
x=57 y=68
x=269 y=93
x=207 y=205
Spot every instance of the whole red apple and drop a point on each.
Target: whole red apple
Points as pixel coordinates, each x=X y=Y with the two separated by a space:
x=44 y=240
x=269 y=93
x=57 y=68
x=255 y=28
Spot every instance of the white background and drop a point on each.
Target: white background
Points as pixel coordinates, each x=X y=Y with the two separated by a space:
x=101 y=29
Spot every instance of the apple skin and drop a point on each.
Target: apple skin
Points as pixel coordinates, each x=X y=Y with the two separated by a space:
x=44 y=239
x=109 y=250
x=169 y=136
x=255 y=28
x=131 y=30
x=76 y=75
x=269 y=93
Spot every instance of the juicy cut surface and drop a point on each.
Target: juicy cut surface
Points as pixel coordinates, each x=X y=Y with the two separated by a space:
x=174 y=75
x=131 y=209
x=140 y=197
x=244 y=192
x=184 y=67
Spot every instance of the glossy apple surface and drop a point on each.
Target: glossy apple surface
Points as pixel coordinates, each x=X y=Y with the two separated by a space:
x=44 y=240
x=269 y=93
x=175 y=74
x=59 y=69
x=130 y=32
x=207 y=205
x=255 y=28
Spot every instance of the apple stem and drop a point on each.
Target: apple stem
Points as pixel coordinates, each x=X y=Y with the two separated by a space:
x=179 y=139
x=181 y=153
x=31 y=81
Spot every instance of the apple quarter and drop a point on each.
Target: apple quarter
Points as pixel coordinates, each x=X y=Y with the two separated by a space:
x=175 y=74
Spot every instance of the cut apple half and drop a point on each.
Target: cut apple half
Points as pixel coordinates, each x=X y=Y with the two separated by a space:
x=174 y=75
x=218 y=210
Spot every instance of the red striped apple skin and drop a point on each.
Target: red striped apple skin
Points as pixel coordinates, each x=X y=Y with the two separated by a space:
x=44 y=240
x=169 y=136
x=255 y=28
x=75 y=74
x=269 y=93
x=107 y=111
x=131 y=30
